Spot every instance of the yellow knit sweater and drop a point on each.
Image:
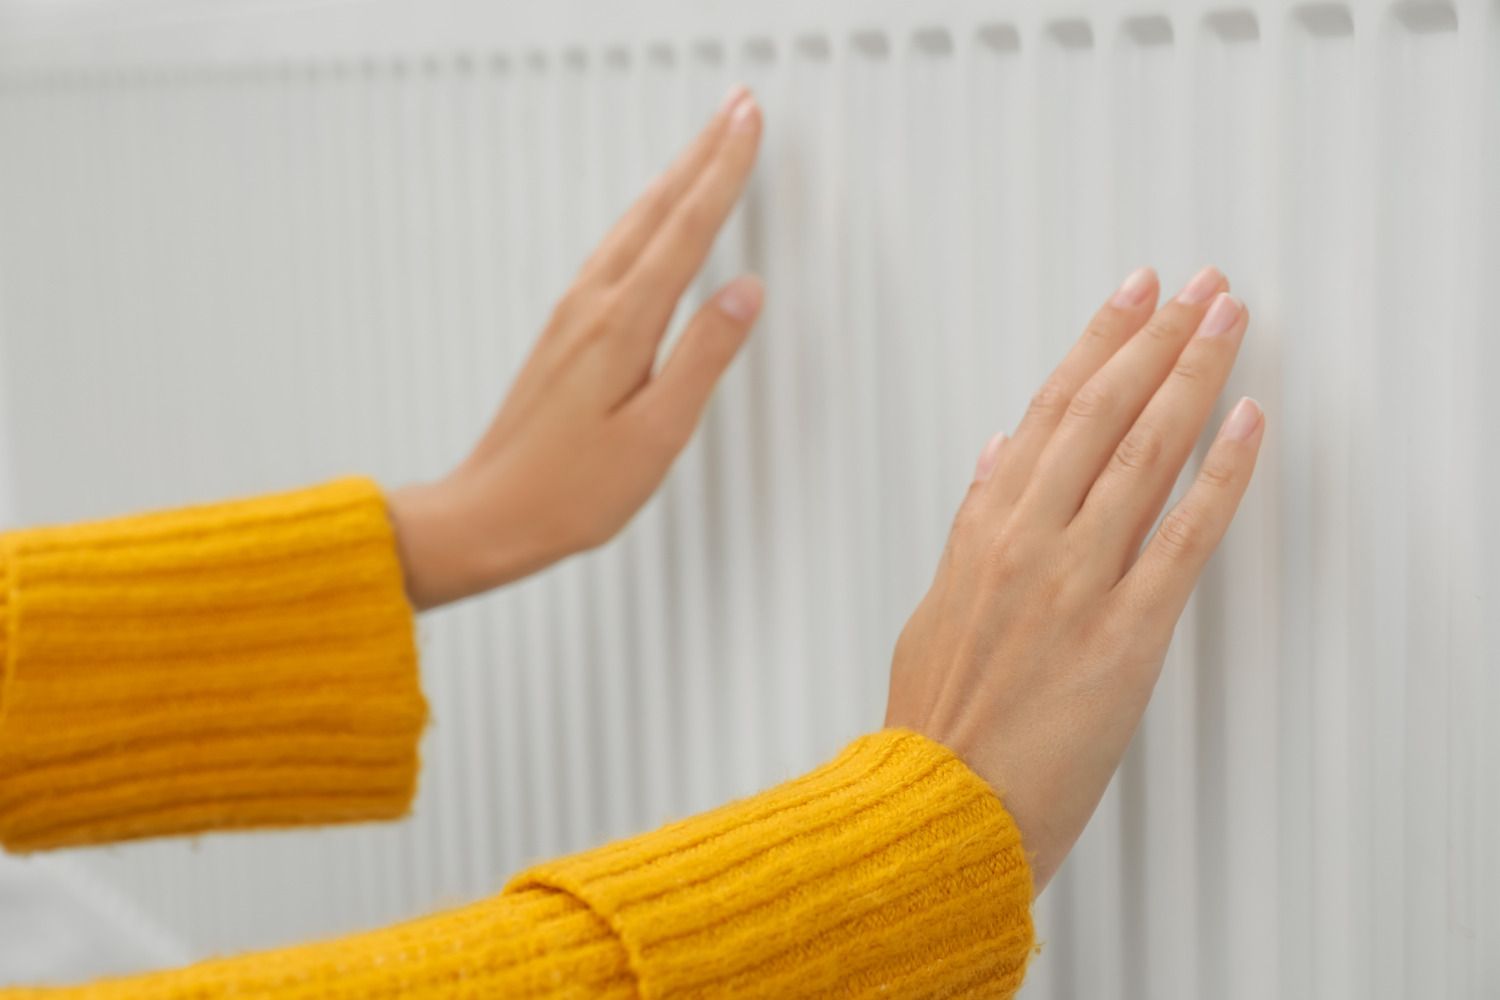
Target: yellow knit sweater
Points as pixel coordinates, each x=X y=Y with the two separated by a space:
x=251 y=664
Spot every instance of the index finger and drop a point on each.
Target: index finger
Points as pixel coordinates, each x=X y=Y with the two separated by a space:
x=1107 y=404
x=677 y=249
x=1115 y=322
x=623 y=243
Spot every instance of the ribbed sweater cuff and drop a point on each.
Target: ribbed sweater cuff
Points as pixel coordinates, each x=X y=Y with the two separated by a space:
x=243 y=664
x=894 y=869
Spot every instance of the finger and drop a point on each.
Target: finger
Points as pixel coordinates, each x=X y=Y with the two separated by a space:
x=1159 y=583
x=1111 y=326
x=673 y=401
x=623 y=243
x=987 y=457
x=1105 y=406
x=677 y=249
x=1128 y=495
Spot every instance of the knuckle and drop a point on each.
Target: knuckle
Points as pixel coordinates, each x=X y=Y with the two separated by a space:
x=1010 y=556
x=1049 y=401
x=1189 y=370
x=577 y=310
x=697 y=219
x=1161 y=330
x=611 y=302
x=1217 y=473
x=1004 y=559
x=1181 y=533
x=606 y=315
x=1094 y=400
x=1140 y=449
x=596 y=330
x=1097 y=333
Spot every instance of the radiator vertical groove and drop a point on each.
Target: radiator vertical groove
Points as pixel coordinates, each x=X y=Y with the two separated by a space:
x=241 y=253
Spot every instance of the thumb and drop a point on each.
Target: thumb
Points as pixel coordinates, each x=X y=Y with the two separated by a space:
x=681 y=389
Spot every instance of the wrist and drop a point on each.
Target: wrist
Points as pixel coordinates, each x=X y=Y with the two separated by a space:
x=449 y=550
x=456 y=539
x=432 y=566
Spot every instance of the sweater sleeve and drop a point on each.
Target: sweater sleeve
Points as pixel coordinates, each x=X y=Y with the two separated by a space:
x=252 y=664
x=243 y=664
x=891 y=871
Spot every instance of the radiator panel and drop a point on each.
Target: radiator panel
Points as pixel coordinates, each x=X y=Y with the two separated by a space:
x=246 y=250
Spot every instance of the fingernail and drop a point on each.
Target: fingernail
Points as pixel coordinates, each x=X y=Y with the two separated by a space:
x=740 y=299
x=745 y=115
x=733 y=97
x=1133 y=290
x=1201 y=287
x=1222 y=316
x=987 y=457
x=1243 y=420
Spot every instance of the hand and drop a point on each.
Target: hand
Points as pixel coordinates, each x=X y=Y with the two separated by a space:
x=1035 y=651
x=587 y=431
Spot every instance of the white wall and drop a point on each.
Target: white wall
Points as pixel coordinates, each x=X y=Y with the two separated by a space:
x=244 y=249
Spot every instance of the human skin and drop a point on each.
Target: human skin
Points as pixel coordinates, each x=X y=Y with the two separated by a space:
x=589 y=428
x=1035 y=650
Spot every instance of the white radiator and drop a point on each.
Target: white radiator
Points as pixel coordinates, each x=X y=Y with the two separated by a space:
x=248 y=245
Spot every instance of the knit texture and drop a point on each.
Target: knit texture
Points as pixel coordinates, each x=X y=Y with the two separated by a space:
x=252 y=664
x=892 y=871
x=536 y=943
x=243 y=664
